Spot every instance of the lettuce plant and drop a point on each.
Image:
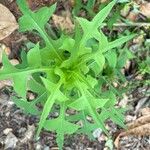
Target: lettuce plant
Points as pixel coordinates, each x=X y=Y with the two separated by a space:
x=65 y=75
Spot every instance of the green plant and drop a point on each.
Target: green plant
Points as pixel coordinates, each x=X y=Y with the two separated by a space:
x=65 y=74
x=80 y=5
x=93 y=6
x=143 y=60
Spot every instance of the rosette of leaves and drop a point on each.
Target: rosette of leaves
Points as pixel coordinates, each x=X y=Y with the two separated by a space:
x=64 y=73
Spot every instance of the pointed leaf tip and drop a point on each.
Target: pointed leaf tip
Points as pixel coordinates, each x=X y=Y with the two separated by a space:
x=23 y=6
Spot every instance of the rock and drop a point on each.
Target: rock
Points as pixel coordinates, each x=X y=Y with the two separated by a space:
x=38 y=146
x=14 y=62
x=10 y=141
x=97 y=133
x=46 y=148
x=28 y=134
x=7 y=130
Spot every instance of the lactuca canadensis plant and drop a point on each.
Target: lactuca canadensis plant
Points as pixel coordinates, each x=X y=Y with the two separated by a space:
x=64 y=74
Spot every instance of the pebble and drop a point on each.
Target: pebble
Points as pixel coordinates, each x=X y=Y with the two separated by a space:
x=7 y=130
x=28 y=134
x=97 y=133
x=38 y=147
x=10 y=141
x=46 y=148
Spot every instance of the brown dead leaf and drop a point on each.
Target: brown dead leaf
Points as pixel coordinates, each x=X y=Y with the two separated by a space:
x=103 y=1
x=7 y=22
x=139 y=127
x=63 y=22
x=145 y=111
x=132 y=16
x=138 y=122
x=145 y=9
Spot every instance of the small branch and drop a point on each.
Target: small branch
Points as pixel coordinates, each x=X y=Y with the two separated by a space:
x=133 y=24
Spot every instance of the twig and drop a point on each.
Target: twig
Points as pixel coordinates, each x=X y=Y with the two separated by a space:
x=134 y=24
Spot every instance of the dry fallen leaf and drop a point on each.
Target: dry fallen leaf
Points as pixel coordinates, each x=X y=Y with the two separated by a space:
x=63 y=22
x=145 y=9
x=145 y=111
x=132 y=16
x=139 y=127
x=138 y=122
x=103 y=1
x=7 y=22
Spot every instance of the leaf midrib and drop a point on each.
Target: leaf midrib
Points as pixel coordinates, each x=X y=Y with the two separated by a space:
x=44 y=36
x=23 y=72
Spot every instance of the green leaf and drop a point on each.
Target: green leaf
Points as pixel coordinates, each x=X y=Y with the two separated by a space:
x=34 y=20
x=111 y=57
x=114 y=114
x=34 y=57
x=55 y=94
x=102 y=41
x=97 y=61
x=90 y=4
x=118 y=42
x=90 y=103
x=117 y=117
x=83 y=102
x=112 y=98
x=93 y=25
x=87 y=127
x=37 y=21
x=61 y=126
x=101 y=16
x=28 y=107
x=77 y=7
x=17 y=75
x=100 y=60
x=36 y=87
x=24 y=62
